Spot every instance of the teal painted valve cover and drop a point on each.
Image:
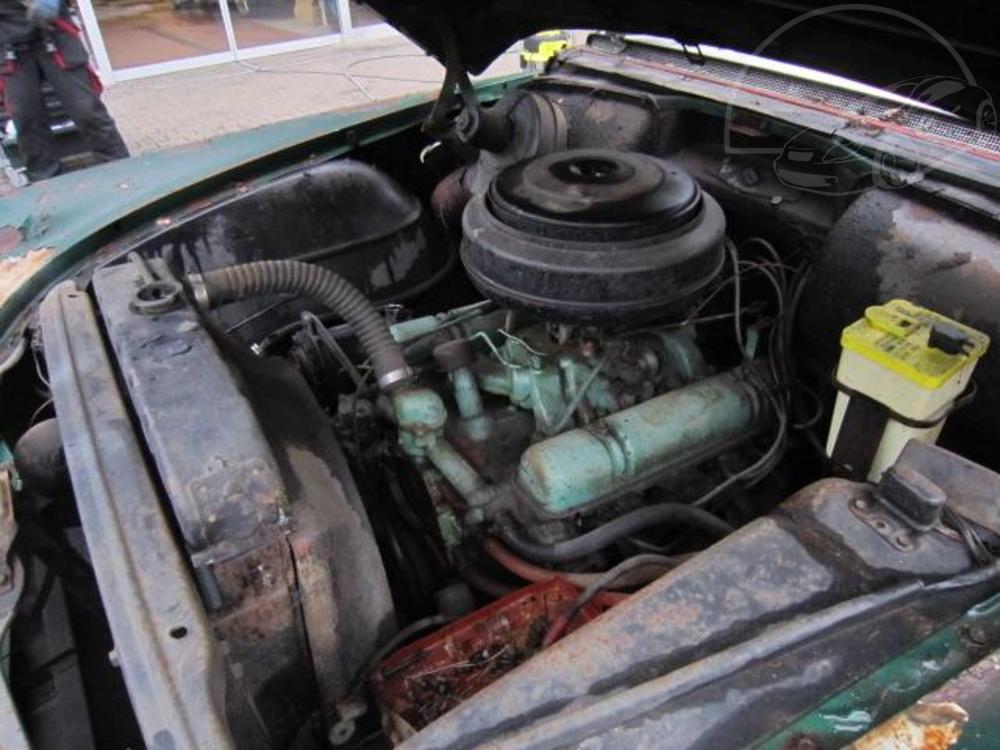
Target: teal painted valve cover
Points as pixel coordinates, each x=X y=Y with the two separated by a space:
x=569 y=472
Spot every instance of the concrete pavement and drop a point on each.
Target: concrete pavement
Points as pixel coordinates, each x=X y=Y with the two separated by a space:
x=177 y=109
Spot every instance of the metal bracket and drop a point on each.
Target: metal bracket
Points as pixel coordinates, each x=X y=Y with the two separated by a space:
x=890 y=528
x=472 y=125
x=693 y=53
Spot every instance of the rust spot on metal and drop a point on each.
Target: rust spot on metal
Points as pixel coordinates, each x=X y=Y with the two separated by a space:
x=800 y=742
x=424 y=680
x=925 y=726
x=894 y=114
x=10 y=237
x=14 y=271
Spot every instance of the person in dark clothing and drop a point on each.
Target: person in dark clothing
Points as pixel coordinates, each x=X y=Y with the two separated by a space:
x=41 y=43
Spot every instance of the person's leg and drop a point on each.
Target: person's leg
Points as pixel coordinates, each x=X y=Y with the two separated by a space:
x=26 y=106
x=74 y=87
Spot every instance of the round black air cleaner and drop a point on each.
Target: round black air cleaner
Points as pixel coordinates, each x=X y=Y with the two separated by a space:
x=593 y=236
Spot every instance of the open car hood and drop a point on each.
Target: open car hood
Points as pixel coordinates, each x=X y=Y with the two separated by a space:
x=889 y=45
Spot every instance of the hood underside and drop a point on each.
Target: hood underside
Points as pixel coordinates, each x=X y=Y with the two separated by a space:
x=883 y=45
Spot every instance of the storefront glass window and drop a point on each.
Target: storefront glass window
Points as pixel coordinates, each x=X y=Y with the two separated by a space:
x=144 y=33
x=362 y=15
x=260 y=22
x=140 y=33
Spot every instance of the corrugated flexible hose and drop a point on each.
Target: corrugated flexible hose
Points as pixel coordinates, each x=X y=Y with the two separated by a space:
x=267 y=277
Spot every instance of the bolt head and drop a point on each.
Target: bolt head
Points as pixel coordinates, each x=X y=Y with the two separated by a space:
x=803 y=743
x=977 y=635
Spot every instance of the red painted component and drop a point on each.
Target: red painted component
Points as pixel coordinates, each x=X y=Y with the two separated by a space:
x=535 y=573
x=427 y=678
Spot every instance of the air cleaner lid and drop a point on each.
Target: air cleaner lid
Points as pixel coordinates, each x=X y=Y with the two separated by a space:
x=595 y=194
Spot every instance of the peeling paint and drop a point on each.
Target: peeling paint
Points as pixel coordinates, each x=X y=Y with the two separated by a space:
x=14 y=271
x=925 y=726
x=10 y=237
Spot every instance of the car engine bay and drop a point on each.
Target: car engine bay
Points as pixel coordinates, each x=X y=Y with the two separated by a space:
x=514 y=436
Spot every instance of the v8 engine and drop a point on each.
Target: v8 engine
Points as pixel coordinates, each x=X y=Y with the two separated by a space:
x=580 y=382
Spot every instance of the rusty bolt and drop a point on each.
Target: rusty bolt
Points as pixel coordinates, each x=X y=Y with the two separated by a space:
x=904 y=542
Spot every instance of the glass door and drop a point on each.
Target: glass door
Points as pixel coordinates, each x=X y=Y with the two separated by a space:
x=139 y=33
x=136 y=38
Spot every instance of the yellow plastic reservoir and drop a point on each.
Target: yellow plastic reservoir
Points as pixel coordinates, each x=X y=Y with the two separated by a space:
x=901 y=369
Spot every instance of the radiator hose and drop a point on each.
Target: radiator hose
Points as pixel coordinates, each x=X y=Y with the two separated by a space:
x=268 y=277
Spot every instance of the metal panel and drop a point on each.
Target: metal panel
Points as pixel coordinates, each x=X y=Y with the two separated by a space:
x=962 y=713
x=170 y=661
x=896 y=684
x=186 y=399
x=733 y=696
x=805 y=560
x=281 y=546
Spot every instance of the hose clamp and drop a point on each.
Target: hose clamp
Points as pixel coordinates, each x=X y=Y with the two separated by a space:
x=196 y=283
x=391 y=378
